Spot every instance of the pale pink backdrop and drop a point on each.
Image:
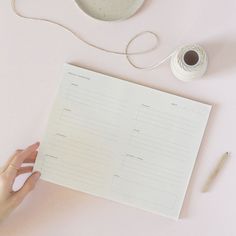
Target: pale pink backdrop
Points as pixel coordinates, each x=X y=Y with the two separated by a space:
x=31 y=59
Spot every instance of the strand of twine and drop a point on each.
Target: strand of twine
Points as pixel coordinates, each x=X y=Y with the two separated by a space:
x=126 y=52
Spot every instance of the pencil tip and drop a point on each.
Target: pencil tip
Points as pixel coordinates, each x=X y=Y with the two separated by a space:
x=228 y=154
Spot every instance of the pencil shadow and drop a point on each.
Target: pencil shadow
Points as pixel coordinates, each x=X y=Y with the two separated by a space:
x=222 y=55
x=198 y=164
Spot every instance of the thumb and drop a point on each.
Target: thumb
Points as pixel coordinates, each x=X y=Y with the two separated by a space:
x=28 y=186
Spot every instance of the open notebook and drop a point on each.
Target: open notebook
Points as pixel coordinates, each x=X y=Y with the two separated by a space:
x=122 y=141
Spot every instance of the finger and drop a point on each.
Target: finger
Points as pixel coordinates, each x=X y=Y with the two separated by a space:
x=28 y=186
x=17 y=161
x=10 y=160
x=31 y=158
x=24 y=170
x=17 y=152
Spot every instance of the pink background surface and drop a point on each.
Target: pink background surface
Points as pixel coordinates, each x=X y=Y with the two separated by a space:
x=31 y=60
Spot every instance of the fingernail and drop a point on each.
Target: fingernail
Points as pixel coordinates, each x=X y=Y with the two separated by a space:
x=37 y=144
x=37 y=174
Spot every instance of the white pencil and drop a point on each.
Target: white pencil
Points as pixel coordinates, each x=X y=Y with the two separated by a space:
x=216 y=171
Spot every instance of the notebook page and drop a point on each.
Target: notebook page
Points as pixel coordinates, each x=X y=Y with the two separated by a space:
x=122 y=141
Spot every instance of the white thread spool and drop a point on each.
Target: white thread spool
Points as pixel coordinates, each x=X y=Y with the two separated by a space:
x=189 y=63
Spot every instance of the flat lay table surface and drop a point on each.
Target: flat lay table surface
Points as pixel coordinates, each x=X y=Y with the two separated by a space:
x=32 y=55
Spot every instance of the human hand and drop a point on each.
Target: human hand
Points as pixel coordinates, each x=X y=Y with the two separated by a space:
x=10 y=199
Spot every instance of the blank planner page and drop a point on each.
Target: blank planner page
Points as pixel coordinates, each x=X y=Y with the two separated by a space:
x=122 y=141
